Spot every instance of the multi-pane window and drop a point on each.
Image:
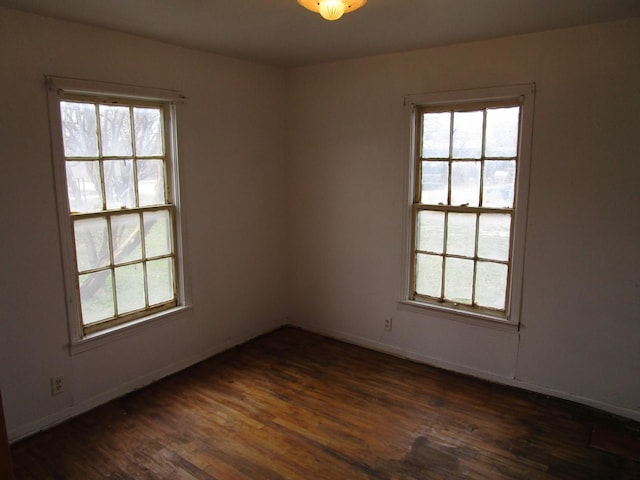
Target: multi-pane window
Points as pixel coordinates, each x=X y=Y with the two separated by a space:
x=467 y=160
x=117 y=165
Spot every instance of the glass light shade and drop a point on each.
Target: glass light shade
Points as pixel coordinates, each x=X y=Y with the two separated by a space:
x=331 y=9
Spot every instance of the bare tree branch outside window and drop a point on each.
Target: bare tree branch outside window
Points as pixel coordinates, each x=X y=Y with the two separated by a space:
x=123 y=220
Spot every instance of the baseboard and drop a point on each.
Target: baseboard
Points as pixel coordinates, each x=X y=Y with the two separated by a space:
x=465 y=370
x=140 y=382
x=79 y=408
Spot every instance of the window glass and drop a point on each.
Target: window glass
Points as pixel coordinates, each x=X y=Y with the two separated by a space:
x=148 y=128
x=467 y=134
x=79 y=129
x=491 y=285
x=461 y=234
x=465 y=183
x=118 y=184
x=96 y=296
x=430 y=228
x=435 y=182
x=436 y=135
x=115 y=131
x=467 y=163
x=151 y=182
x=92 y=244
x=157 y=233
x=125 y=238
x=161 y=281
x=494 y=231
x=429 y=275
x=122 y=216
x=499 y=183
x=458 y=285
x=84 y=186
x=502 y=132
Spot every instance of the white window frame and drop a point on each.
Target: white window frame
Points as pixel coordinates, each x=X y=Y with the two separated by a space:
x=59 y=88
x=524 y=95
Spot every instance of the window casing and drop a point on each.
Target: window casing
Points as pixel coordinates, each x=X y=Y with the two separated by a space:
x=468 y=196
x=114 y=154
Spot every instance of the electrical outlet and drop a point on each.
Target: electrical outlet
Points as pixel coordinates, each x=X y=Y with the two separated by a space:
x=388 y=322
x=57 y=385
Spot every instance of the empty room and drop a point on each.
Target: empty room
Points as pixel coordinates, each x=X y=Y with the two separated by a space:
x=293 y=239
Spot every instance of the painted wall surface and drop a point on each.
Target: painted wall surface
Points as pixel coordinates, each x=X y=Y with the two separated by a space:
x=294 y=189
x=231 y=146
x=348 y=137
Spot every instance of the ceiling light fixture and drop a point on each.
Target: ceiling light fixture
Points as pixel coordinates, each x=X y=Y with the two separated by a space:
x=332 y=9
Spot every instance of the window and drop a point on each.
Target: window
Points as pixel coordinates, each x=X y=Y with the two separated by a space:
x=115 y=163
x=470 y=169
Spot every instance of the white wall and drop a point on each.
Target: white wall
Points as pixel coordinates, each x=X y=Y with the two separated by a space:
x=294 y=184
x=231 y=143
x=347 y=160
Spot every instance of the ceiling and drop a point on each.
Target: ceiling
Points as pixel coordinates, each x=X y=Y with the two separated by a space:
x=281 y=33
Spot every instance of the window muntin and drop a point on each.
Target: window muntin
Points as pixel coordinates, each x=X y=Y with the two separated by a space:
x=121 y=210
x=466 y=166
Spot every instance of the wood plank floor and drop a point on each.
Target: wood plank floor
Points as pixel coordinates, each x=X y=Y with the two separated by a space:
x=294 y=405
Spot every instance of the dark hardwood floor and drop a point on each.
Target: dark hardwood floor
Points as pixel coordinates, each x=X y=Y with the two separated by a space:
x=293 y=405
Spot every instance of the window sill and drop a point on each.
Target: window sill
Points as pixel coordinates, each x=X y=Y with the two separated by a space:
x=463 y=316
x=109 y=335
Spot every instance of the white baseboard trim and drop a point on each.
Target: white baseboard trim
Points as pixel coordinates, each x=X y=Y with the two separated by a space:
x=140 y=382
x=465 y=370
x=79 y=408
